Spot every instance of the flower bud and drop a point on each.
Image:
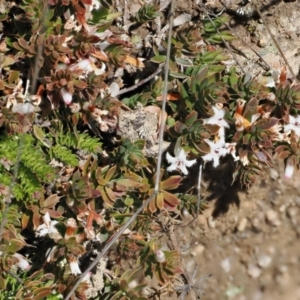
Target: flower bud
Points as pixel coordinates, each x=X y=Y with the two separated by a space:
x=160 y=256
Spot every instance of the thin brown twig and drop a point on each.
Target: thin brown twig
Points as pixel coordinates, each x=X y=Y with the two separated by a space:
x=158 y=167
x=198 y=196
x=225 y=43
x=274 y=40
x=143 y=81
x=267 y=67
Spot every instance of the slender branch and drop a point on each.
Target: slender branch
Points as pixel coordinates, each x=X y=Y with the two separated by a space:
x=226 y=44
x=274 y=40
x=158 y=167
x=238 y=36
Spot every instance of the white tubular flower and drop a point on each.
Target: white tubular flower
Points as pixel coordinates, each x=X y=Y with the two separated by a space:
x=48 y=228
x=217 y=150
x=289 y=168
x=294 y=124
x=160 y=256
x=217 y=118
x=88 y=65
x=179 y=162
x=75 y=270
x=67 y=97
x=21 y=263
x=231 y=150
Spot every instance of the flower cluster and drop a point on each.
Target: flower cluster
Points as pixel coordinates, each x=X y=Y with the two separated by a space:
x=218 y=148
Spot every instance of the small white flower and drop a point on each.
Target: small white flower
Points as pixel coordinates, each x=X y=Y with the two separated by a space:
x=294 y=124
x=231 y=150
x=67 y=97
x=74 y=267
x=48 y=228
x=21 y=263
x=160 y=256
x=179 y=162
x=289 y=168
x=88 y=65
x=217 y=150
x=217 y=118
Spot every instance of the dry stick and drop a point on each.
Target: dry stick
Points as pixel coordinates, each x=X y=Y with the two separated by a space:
x=158 y=166
x=241 y=39
x=274 y=40
x=198 y=197
x=126 y=90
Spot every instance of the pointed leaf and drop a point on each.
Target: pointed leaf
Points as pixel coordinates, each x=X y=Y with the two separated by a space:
x=171 y=199
x=160 y=201
x=191 y=118
x=171 y=183
x=110 y=173
x=39 y=133
x=51 y=201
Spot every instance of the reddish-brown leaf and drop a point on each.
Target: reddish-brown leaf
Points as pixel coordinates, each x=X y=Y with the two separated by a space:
x=171 y=183
x=170 y=199
x=51 y=201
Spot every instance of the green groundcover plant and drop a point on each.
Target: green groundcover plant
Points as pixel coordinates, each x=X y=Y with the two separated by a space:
x=68 y=181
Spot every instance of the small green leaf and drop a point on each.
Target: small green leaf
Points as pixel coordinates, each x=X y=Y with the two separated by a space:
x=159 y=59
x=39 y=133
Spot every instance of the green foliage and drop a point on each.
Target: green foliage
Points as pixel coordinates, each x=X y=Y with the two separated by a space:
x=68 y=182
x=214 y=32
x=146 y=13
x=26 y=158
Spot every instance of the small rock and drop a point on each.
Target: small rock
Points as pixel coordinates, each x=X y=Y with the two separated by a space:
x=263 y=42
x=226 y=265
x=274 y=174
x=272 y=217
x=211 y=223
x=255 y=223
x=242 y=224
x=198 y=250
x=282 y=208
x=283 y=269
x=264 y=260
x=253 y=271
x=292 y=212
x=297 y=200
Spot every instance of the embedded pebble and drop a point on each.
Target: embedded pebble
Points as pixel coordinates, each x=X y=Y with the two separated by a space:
x=297 y=200
x=211 y=223
x=198 y=250
x=242 y=224
x=272 y=217
x=226 y=265
x=274 y=174
x=292 y=212
x=264 y=260
x=255 y=223
x=263 y=42
x=253 y=271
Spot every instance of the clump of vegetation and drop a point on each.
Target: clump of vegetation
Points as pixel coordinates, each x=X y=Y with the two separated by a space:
x=68 y=182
